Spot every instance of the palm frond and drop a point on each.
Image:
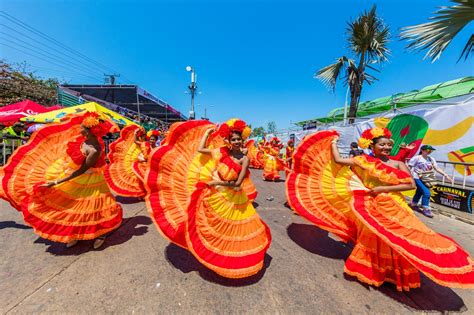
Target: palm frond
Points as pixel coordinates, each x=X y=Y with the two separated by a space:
x=329 y=74
x=468 y=49
x=369 y=78
x=435 y=36
x=369 y=34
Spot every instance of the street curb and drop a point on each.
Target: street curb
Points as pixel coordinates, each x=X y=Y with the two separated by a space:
x=453 y=216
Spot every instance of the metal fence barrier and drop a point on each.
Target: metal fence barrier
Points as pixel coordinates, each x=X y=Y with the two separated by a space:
x=450 y=168
x=8 y=146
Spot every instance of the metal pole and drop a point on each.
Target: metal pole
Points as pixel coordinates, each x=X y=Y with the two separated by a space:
x=138 y=104
x=345 y=107
x=464 y=177
x=192 y=88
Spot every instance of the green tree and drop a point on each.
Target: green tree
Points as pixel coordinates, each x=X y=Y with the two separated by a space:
x=258 y=132
x=17 y=84
x=271 y=127
x=367 y=37
x=435 y=36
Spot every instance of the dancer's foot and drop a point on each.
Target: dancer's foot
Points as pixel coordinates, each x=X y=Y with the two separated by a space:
x=71 y=243
x=99 y=242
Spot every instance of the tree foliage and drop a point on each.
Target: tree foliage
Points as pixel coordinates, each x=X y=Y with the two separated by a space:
x=367 y=37
x=435 y=36
x=271 y=127
x=17 y=84
x=258 y=132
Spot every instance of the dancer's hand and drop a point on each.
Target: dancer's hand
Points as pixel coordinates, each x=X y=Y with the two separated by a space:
x=214 y=183
x=377 y=190
x=411 y=146
x=210 y=130
x=48 y=185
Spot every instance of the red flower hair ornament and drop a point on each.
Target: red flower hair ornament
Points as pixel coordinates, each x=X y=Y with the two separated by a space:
x=226 y=129
x=155 y=133
x=370 y=134
x=96 y=125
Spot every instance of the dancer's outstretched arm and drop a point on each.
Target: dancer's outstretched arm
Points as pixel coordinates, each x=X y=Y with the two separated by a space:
x=91 y=159
x=337 y=157
x=202 y=144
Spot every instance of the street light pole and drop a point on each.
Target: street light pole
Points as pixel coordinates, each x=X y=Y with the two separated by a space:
x=192 y=88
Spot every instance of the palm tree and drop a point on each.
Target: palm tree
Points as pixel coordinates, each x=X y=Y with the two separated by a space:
x=435 y=36
x=368 y=38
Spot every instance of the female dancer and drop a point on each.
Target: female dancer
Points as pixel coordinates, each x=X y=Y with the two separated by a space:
x=253 y=154
x=197 y=199
x=290 y=148
x=273 y=164
x=127 y=158
x=152 y=137
x=59 y=184
x=358 y=199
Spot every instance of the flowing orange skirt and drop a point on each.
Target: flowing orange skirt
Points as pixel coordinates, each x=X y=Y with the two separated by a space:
x=391 y=244
x=218 y=225
x=272 y=168
x=124 y=173
x=78 y=209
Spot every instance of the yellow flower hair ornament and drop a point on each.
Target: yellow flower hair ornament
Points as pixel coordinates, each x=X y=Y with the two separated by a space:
x=235 y=124
x=370 y=134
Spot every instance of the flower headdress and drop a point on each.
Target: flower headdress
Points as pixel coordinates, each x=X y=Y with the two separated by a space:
x=370 y=134
x=234 y=124
x=96 y=125
x=155 y=133
x=141 y=132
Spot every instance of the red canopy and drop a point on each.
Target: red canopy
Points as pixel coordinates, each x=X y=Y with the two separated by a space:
x=13 y=112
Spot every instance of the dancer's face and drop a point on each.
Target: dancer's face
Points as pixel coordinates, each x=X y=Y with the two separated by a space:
x=153 y=141
x=235 y=141
x=84 y=131
x=382 y=147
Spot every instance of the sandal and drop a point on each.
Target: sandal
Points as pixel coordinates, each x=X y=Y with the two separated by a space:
x=98 y=242
x=71 y=243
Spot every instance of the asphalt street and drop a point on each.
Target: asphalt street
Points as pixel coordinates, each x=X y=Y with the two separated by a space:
x=138 y=271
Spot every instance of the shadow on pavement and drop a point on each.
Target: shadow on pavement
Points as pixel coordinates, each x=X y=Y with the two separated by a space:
x=317 y=241
x=13 y=225
x=134 y=226
x=185 y=261
x=128 y=200
x=430 y=297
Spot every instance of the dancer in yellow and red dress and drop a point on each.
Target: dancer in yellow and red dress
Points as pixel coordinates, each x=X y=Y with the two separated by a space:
x=140 y=165
x=128 y=160
x=273 y=164
x=123 y=156
x=57 y=181
x=290 y=149
x=359 y=200
x=253 y=154
x=196 y=197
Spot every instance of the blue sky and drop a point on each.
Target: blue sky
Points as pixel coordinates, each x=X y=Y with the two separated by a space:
x=255 y=59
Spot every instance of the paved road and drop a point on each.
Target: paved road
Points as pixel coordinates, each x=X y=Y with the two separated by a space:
x=138 y=271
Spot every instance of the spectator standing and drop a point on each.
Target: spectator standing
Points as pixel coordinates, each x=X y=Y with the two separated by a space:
x=423 y=169
x=355 y=151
